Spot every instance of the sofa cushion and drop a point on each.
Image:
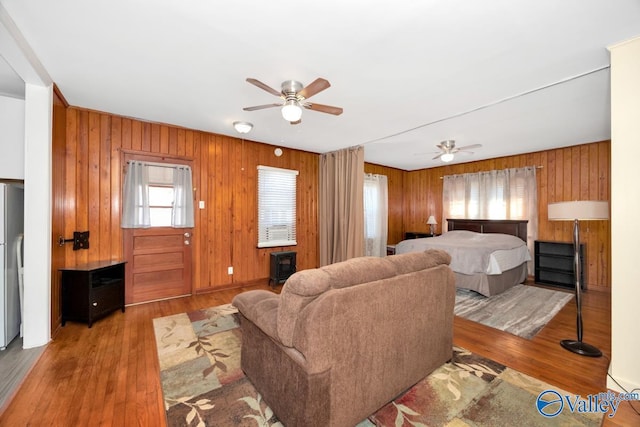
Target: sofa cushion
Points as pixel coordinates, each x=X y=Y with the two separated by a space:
x=305 y=286
x=414 y=261
x=260 y=307
x=356 y=271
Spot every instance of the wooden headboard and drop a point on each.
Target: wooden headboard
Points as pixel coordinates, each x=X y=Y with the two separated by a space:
x=514 y=227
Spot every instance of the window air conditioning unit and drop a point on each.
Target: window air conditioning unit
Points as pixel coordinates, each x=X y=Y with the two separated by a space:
x=278 y=232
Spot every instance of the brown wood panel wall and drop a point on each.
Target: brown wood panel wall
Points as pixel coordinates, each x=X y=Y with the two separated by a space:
x=395 y=183
x=224 y=177
x=87 y=193
x=571 y=173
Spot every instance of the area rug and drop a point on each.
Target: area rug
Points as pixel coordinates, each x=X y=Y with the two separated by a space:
x=521 y=310
x=203 y=385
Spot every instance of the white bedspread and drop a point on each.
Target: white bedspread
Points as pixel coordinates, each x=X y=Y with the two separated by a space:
x=472 y=252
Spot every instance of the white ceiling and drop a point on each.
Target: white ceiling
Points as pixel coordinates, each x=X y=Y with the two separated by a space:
x=514 y=76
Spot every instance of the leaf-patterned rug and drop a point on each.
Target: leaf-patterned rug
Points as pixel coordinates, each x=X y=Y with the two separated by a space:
x=203 y=385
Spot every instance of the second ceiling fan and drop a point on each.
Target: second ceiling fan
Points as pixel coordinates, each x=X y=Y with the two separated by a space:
x=295 y=97
x=448 y=149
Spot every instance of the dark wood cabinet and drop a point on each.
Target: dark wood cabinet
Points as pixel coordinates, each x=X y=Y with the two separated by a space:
x=92 y=291
x=283 y=265
x=554 y=264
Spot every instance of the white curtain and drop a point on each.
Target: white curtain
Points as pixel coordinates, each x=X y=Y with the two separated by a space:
x=135 y=208
x=375 y=214
x=497 y=194
x=182 y=214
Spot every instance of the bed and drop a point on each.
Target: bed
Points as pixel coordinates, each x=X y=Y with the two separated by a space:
x=487 y=256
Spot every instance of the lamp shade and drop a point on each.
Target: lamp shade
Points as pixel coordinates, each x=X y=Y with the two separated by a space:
x=432 y=220
x=582 y=210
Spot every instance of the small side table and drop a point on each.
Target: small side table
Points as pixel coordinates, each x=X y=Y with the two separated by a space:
x=92 y=290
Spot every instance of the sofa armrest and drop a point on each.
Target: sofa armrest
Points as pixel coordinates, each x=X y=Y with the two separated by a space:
x=261 y=308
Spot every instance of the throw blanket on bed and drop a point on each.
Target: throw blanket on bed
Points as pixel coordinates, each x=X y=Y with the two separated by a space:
x=470 y=251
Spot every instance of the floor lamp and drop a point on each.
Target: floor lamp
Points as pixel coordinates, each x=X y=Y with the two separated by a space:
x=578 y=211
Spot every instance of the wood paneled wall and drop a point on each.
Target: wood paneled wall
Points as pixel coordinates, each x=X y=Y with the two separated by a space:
x=224 y=178
x=572 y=173
x=87 y=183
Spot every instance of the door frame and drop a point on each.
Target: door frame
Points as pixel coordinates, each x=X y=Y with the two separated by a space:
x=144 y=156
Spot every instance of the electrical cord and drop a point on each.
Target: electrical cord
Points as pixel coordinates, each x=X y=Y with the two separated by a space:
x=622 y=388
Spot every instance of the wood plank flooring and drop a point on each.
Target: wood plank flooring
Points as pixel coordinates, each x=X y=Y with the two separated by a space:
x=108 y=374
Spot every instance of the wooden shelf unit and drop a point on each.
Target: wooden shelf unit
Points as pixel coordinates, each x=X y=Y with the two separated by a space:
x=554 y=264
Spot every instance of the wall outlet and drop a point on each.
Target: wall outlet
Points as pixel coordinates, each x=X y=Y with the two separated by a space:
x=229 y=271
x=201 y=204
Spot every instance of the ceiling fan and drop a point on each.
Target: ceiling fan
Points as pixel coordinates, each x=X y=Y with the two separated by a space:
x=448 y=149
x=295 y=97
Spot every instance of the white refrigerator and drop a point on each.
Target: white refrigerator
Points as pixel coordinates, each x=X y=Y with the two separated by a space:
x=11 y=230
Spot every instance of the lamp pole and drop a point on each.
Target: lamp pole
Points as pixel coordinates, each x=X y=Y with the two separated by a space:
x=578 y=346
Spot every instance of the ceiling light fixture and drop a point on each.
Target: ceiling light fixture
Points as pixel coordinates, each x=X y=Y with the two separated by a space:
x=243 y=127
x=291 y=110
x=446 y=157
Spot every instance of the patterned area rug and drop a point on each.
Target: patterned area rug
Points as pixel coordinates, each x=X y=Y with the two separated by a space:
x=203 y=385
x=521 y=310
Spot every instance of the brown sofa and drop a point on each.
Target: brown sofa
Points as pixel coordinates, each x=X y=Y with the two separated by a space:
x=341 y=341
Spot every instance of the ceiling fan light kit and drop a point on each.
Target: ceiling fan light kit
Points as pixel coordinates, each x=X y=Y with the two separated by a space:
x=291 y=111
x=446 y=157
x=242 y=127
x=294 y=96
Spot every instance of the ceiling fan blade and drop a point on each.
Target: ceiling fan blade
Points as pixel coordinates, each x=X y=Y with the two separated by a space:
x=438 y=156
x=336 y=111
x=261 y=107
x=468 y=147
x=318 y=85
x=263 y=86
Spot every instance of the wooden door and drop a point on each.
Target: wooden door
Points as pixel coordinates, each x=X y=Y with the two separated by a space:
x=158 y=263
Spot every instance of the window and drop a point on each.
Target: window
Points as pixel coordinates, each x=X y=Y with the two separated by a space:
x=276 y=207
x=375 y=214
x=160 y=196
x=497 y=194
x=157 y=195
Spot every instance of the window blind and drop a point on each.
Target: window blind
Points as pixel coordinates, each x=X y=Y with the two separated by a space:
x=276 y=207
